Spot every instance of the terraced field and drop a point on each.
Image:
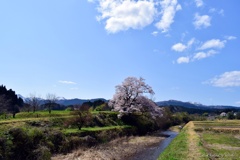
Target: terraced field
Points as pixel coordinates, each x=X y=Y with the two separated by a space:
x=221 y=139
x=200 y=140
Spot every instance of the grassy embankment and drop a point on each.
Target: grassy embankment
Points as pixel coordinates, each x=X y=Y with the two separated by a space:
x=39 y=135
x=202 y=140
x=22 y=119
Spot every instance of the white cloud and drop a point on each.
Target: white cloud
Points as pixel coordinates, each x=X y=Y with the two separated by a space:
x=183 y=60
x=155 y=33
x=74 y=88
x=202 y=55
x=212 y=10
x=67 y=82
x=122 y=15
x=221 y=12
x=169 y=9
x=230 y=37
x=199 y=3
x=179 y=47
x=227 y=79
x=91 y=1
x=213 y=43
x=203 y=21
x=190 y=42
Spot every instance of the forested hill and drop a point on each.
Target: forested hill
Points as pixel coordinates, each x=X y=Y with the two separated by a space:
x=179 y=106
x=75 y=101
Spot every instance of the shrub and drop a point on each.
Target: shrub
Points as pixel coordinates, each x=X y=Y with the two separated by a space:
x=57 y=138
x=144 y=123
x=238 y=115
x=80 y=119
x=41 y=153
x=21 y=144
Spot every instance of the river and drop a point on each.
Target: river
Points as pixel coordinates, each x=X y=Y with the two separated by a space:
x=152 y=153
x=147 y=147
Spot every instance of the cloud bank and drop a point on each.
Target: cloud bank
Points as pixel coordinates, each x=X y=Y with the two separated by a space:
x=121 y=15
x=227 y=79
x=67 y=82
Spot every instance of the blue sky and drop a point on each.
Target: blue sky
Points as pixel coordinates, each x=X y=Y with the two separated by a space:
x=186 y=50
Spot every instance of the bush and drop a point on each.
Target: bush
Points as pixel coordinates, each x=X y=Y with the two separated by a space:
x=230 y=115
x=4 y=148
x=144 y=123
x=238 y=115
x=41 y=153
x=57 y=138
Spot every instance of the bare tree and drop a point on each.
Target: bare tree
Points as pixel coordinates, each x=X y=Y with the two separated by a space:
x=33 y=101
x=81 y=117
x=51 y=100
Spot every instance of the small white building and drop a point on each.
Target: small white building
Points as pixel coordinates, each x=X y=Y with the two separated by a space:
x=223 y=114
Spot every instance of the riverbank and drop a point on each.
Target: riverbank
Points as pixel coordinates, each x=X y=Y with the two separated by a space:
x=120 y=148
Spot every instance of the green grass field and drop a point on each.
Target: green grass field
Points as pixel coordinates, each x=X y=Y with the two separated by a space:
x=23 y=119
x=200 y=140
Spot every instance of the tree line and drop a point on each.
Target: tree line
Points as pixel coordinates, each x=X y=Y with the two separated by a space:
x=9 y=101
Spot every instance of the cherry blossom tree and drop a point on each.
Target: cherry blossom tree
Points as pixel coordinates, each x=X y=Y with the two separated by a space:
x=131 y=97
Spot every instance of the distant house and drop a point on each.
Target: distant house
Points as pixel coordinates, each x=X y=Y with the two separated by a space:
x=223 y=114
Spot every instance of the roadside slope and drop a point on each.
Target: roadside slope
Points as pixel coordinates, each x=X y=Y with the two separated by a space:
x=186 y=145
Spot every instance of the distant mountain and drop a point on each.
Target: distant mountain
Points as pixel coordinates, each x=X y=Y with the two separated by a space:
x=75 y=101
x=179 y=106
x=20 y=96
x=66 y=102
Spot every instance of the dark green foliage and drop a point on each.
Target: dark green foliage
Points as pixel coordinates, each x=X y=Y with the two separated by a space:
x=41 y=153
x=238 y=115
x=98 y=103
x=104 y=119
x=9 y=101
x=102 y=107
x=57 y=138
x=171 y=119
x=144 y=123
x=79 y=119
x=21 y=144
x=230 y=115
x=193 y=109
x=34 y=143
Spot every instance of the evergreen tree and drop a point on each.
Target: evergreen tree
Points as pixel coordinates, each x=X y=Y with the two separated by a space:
x=9 y=101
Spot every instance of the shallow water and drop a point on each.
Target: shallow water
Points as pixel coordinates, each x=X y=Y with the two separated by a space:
x=152 y=153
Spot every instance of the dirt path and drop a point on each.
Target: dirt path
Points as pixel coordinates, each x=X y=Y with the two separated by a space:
x=121 y=148
x=194 y=152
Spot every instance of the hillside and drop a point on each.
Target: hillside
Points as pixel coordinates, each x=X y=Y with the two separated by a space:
x=179 y=106
x=75 y=101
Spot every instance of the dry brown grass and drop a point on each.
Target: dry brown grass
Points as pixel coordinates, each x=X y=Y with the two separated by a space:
x=221 y=146
x=118 y=149
x=194 y=150
x=226 y=130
